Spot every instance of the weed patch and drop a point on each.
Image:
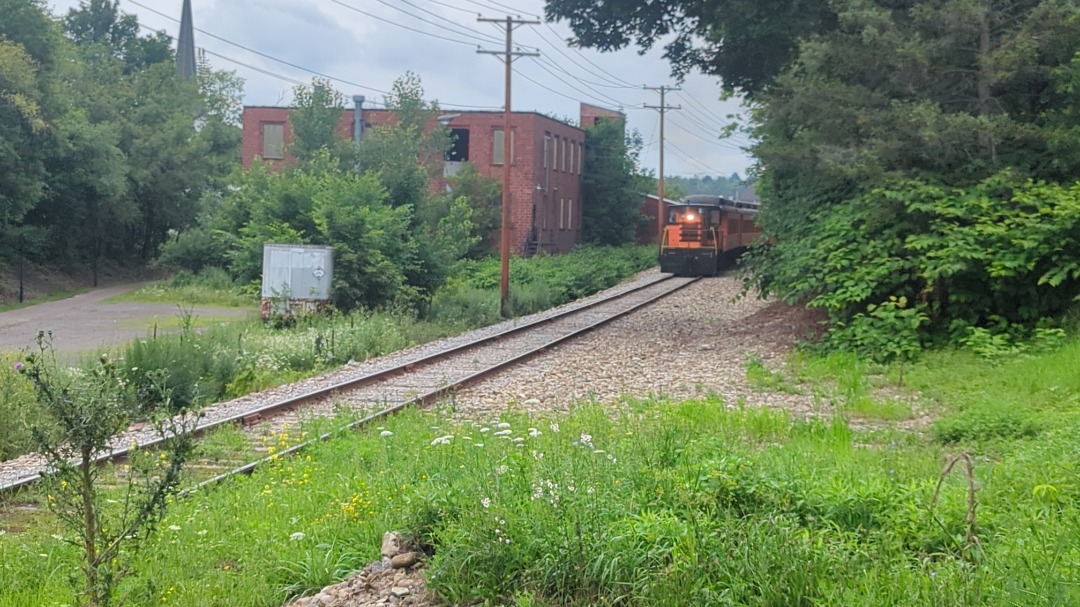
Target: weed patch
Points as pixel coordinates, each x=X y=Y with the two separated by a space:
x=670 y=504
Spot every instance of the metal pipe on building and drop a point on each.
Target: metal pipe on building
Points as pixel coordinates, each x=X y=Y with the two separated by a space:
x=358 y=119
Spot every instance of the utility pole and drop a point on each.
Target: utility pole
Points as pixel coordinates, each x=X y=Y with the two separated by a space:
x=508 y=56
x=663 y=108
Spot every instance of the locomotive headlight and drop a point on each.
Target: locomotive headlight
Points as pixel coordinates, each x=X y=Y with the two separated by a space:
x=691 y=217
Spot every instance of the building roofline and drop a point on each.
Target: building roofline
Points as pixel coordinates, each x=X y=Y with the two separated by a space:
x=462 y=113
x=655 y=197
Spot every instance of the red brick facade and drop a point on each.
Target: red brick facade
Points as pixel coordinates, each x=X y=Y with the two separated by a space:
x=545 y=174
x=591 y=113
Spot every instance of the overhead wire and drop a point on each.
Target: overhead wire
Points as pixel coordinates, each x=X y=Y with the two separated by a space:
x=717 y=142
x=596 y=95
x=469 y=32
x=456 y=8
x=583 y=56
x=395 y=23
x=498 y=6
x=612 y=83
x=281 y=61
x=681 y=153
x=691 y=100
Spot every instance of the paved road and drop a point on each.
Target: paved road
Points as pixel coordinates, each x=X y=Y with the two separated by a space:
x=83 y=323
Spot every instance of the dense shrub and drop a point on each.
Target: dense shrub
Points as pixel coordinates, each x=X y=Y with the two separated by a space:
x=193 y=250
x=585 y=271
x=999 y=255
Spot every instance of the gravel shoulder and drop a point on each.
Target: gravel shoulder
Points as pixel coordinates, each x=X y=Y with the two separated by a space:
x=692 y=344
x=85 y=322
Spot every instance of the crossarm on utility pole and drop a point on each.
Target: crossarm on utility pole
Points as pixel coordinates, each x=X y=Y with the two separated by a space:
x=663 y=108
x=508 y=56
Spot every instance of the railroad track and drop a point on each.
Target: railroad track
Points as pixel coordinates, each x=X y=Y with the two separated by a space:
x=416 y=380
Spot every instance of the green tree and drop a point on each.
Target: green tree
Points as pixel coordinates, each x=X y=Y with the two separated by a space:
x=611 y=200
x=29 y=47
x=99 y=24
x=484 y=196
x=314 y=118
x=409 y=152
x=23 y=128
x=747 y=43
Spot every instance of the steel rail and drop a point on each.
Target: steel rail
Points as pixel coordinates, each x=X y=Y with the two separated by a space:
x=432 y=395
x=258 y=413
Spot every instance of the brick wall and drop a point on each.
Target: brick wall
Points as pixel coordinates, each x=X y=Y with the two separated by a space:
x=545 y=194
x=590 y=114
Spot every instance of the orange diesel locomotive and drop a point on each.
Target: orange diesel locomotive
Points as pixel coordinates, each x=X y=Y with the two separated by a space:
x=705 y=234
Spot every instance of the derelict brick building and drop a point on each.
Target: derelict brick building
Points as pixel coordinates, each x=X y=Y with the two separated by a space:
x=546 y=162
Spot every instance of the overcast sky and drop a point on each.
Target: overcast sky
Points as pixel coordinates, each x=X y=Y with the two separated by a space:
x=337 y=38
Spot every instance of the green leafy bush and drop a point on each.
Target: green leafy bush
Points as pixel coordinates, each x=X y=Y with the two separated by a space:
x=1000 y=253
x=194 y=250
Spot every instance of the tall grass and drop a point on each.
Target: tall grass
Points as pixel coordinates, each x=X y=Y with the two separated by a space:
x=665 y=504
x=211 y=286
x=19 y=409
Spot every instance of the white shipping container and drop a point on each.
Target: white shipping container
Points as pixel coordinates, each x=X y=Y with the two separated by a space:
x=293 y=271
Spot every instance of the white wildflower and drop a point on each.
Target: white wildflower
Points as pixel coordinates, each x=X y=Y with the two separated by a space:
x=502 y=470
x=503 y=433
x=519 y=440
x=296 y=537
x=533 y=432
x=502 y=425
x=554 y=427
x=442 y=440
x=485 y=429
x=386 y=433
x=486 y=502
x=174 y=528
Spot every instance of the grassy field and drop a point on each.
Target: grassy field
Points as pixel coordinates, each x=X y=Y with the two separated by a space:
x=54 y=296
x=212 y=287
x=691 y=503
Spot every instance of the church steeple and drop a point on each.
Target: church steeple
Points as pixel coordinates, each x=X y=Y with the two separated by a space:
x=185 y=47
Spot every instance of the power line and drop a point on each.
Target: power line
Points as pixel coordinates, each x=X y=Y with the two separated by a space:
x=501 y=7
x=395 y=23
x=543 y=86
x=259 y=53
x=470 y=33
x=583 y=68
x=691 y=159
x=598 y=96
x=688 y=98
x=717 y=142
x=281 y=61
x=456 y=8
x=583 y=56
